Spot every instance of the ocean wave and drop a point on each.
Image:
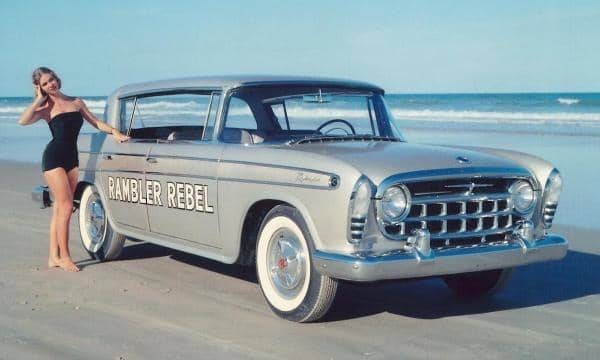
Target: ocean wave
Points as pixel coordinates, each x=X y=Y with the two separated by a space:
x=12 y=109
x=193 y=108
x=145 y=113
x=96 y=106
x=496 y=117
x=95 y=103
x=568 y=101
x=172 y=105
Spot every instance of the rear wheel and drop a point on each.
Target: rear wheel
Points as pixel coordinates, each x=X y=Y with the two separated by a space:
x=478 y=284
x=97 y=236
x=291 y=285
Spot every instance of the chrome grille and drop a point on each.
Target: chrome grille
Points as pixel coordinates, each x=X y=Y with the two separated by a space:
x=457 y=214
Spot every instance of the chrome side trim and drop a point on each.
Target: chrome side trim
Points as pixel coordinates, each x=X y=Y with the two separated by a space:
x=405 y=264
x=124 y=154
x=184 y=157
x=277 y=183
x=180 y=175
x=120 y=170
x=278 y=167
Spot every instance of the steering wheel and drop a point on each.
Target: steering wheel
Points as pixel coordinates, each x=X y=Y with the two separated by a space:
x=345 y=122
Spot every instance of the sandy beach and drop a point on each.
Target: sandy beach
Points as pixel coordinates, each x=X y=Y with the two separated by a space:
x=157 y=303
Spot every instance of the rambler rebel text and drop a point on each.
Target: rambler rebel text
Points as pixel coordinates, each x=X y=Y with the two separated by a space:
x=184 y=196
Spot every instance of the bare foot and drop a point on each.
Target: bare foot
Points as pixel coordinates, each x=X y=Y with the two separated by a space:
x=68 y=265
x=52 y=262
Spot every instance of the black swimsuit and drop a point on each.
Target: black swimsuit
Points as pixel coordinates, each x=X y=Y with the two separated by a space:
x=61 y=151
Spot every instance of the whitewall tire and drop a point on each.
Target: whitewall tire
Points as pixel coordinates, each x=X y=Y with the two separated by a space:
x=97 y=236
x=292 y=287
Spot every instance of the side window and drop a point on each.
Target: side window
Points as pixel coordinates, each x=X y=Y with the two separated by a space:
x=239 y=115
x=279 y=111
x=127 y=106
x=211 y=118
x=166 y=117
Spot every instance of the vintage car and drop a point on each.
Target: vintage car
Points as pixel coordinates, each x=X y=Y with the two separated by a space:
x=310 y=180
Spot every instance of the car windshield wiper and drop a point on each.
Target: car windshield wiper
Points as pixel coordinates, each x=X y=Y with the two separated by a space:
x=329 y=138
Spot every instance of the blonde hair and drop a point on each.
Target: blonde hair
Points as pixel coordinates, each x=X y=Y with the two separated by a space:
x=37 y=74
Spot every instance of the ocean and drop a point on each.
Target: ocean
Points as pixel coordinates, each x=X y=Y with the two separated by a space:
x=563 y=128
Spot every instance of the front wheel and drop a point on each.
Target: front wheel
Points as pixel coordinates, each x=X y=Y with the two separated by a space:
x=97 y=236
x=478 y=284
x=291 y=285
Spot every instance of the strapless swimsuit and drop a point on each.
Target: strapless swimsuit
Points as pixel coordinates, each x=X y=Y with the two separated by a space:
x=61 y=151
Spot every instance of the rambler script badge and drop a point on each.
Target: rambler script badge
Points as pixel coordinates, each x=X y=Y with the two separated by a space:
x=303 y=178
x=184 y=196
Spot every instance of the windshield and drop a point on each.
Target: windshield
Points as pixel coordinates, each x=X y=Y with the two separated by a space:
x=290 y=114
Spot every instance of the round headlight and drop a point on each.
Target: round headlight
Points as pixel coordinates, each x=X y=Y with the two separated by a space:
x=523 y=196
x=395 y=203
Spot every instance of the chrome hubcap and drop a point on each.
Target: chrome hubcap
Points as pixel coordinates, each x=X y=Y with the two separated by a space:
x=95 y=223
x=287 y=262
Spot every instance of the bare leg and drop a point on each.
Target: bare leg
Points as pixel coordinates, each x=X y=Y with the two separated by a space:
x=54 y=256
x=58 y=182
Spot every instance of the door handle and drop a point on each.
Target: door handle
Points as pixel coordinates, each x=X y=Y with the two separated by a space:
x=151 y=160
x=107 y=157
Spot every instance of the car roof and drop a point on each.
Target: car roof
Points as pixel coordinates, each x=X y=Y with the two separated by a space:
x=235 y=81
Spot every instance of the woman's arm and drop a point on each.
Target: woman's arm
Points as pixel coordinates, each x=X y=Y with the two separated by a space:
x=33 y=112
x=98 y=124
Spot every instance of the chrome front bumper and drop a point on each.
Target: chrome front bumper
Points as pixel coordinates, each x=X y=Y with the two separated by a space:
x=413 y=263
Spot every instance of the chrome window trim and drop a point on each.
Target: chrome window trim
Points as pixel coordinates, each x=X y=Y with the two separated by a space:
x=132 y=115
x=210 y=92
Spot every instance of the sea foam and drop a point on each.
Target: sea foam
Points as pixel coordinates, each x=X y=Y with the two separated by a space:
x=568 y=101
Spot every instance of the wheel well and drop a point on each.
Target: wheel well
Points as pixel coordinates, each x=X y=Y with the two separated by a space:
x=79 y=191
x=252 y=222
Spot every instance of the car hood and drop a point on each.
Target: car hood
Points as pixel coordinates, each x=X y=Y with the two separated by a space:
x=378 y=160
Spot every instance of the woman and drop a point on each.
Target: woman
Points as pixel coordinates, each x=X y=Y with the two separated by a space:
x=64 y=115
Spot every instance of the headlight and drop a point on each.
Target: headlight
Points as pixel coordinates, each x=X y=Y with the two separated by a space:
x=395 y=203
x=522 y=196
x=552 y=192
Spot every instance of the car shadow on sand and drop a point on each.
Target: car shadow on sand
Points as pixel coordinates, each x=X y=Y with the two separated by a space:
x=574 y=277
x=143 y=250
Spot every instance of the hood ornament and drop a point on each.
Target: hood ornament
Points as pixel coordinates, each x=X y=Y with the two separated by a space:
x=463 y=159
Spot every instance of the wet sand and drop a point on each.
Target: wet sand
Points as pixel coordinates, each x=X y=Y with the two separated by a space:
x=157 y=303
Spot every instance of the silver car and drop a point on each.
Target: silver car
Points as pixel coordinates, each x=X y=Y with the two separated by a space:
x=310 y=180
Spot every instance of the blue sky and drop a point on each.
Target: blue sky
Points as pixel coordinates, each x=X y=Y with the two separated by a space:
x=407 y=47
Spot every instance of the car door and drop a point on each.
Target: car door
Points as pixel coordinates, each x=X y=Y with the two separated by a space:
x=188 y=177
x=123 y=175
x=183 y=168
